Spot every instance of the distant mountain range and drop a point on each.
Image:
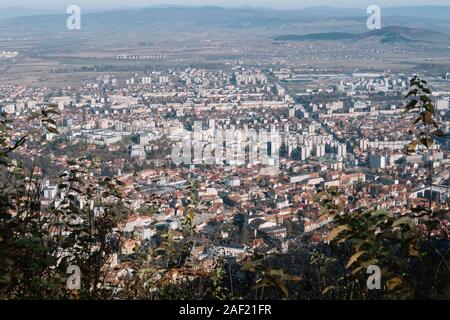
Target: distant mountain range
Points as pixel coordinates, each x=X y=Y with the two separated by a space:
x=14 y=12
x=308 y=20
x=384 y=35
x=435 y=12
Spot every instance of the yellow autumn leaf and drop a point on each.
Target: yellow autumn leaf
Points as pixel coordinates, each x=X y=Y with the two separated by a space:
x=354 y=258
x=394 y=283
x=413 y=250
x=334 y=233
x=328 y=289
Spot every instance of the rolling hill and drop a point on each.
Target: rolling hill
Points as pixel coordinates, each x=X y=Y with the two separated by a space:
x=391 y=34
x=321 y=23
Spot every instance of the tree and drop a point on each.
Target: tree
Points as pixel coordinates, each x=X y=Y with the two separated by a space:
x=38 y=243
x=424 y=127
x=411 y=250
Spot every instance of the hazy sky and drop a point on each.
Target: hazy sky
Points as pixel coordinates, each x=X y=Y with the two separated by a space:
x=280 y=4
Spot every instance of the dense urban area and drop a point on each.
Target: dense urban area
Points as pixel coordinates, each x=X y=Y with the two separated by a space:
x=227 y=159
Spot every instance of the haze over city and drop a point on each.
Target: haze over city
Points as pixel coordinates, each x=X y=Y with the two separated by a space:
x=281 y=4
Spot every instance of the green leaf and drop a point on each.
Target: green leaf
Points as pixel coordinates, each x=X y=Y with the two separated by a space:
x=51 y=109
x=412 y=92
x=425 y=98
x=427 y=142
x=438 y=133
x=249 y=266
x=20 y=142
x=276 y=272
x=33 y=116
x=410 y=106
x=49 y=120
x=282 y=287
x=417 y=120
x=52 y=130
x=404 y=221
